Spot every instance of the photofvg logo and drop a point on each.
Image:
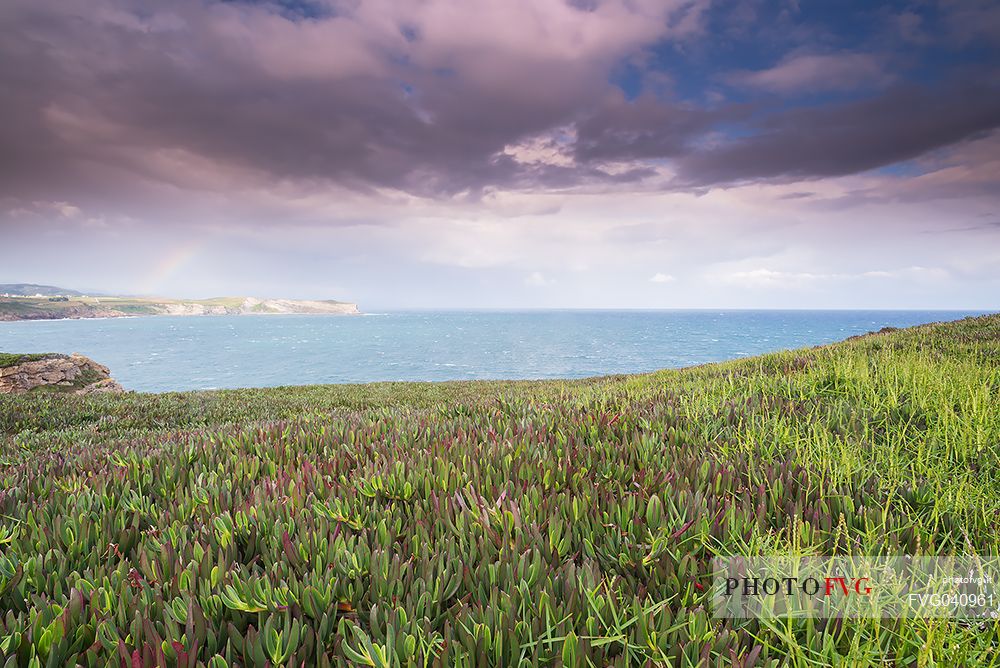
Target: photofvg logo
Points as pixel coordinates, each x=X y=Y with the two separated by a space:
x=810 y=586
x=869 y=587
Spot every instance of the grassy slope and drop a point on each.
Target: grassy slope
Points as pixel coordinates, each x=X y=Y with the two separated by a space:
x=522 y=509
x=34 y=289
x=25 y=307
x=13 y=359
x=28 y=307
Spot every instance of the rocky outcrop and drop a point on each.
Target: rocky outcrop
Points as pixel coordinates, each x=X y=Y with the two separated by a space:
x=70 y=374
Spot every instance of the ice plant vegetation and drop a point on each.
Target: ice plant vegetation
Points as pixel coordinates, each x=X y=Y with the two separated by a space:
x=497 y=524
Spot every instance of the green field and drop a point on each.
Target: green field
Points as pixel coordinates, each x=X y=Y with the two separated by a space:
x=497 y=524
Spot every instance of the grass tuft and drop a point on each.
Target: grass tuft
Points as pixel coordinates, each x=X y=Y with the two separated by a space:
x=13 y=359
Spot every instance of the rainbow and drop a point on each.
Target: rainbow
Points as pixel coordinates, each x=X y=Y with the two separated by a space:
x=169 y=264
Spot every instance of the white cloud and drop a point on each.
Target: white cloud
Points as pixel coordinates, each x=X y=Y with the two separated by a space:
x=660 y=277
x=770 y=278
x=66 y=209
x=537 y=279
x=550 y=148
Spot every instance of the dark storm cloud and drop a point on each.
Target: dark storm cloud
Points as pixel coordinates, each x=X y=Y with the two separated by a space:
x=642 y=129
x=899 y=125
x=112 y=101
x=344 y=100
x=129 y=92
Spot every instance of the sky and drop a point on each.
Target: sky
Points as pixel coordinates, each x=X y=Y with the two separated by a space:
x=506 y=153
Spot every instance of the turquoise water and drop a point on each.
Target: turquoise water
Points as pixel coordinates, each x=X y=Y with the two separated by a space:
x=158 y=354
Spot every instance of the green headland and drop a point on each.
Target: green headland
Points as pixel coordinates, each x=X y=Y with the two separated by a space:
x=27 y=301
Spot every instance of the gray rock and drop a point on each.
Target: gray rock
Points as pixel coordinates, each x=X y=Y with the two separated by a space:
x=66 y=372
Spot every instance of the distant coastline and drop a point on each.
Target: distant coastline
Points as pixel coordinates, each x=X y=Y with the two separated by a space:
x=74 y=306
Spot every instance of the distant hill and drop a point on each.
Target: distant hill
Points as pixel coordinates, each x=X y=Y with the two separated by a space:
x=31 y=289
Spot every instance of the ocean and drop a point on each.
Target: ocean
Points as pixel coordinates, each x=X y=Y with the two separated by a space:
x=161 y=354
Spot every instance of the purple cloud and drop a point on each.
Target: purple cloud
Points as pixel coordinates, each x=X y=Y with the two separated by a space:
x=109 y=101
x=814 y=72
x=899 y=125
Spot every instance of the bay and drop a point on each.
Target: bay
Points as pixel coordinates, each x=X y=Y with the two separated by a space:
x=159 y=354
